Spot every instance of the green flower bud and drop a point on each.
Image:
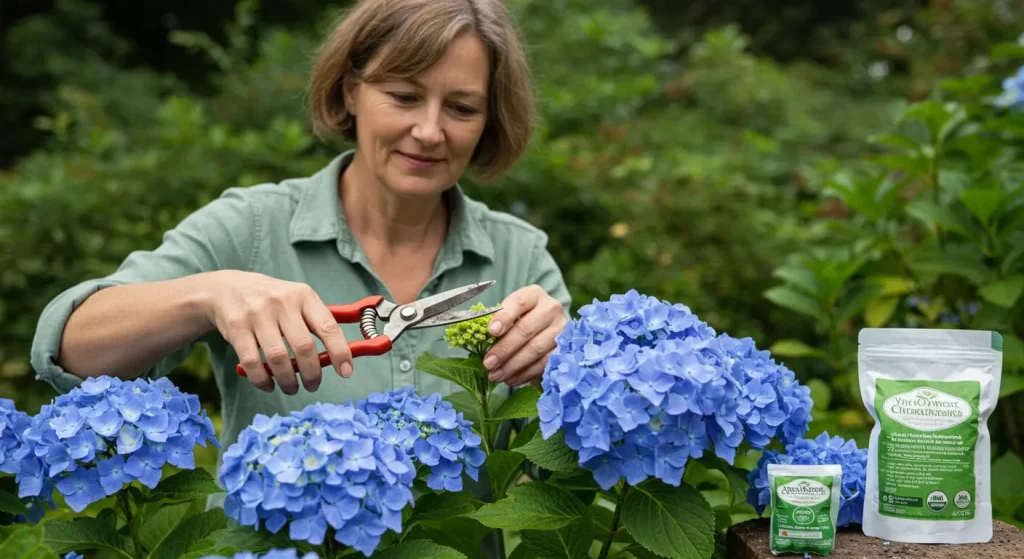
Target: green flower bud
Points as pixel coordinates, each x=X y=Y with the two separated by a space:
x=471 y=335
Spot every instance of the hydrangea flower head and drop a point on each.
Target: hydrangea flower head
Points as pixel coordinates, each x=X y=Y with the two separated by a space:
x=272 y=554
x=1013 y=92
x=13 y=423
x=471 y=335
x=73 y=555
x=326 y=465
x=820 y=450
x=431 y=432
x=639 y=386
x=106 y=433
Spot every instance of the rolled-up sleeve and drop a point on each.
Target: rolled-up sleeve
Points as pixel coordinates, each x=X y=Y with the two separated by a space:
x=221 y=235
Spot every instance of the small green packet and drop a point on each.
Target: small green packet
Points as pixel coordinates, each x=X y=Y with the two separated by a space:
x=805 y=507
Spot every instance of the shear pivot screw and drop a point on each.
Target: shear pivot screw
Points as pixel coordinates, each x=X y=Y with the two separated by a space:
x=408 y=313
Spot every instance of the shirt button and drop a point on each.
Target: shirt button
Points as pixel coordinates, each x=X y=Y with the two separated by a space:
x=405 y=365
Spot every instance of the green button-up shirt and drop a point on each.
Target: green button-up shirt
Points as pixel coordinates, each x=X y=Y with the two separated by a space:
x=295 y=230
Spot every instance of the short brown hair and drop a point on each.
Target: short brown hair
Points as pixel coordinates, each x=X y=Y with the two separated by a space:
x=414 y=35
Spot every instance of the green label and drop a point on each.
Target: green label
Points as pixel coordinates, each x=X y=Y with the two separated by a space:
x=926 y=448
x=801 y=522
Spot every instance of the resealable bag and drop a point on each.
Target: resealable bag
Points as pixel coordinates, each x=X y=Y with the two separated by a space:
x=805 y=507
x=930 y=392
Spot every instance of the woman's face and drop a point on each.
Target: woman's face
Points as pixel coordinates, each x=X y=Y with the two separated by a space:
x=417 y=136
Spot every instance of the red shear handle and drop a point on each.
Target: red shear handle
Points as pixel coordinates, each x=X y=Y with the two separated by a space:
x=360 y=348
x=351 y=312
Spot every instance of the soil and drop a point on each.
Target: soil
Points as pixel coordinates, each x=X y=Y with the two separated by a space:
x=749 y=540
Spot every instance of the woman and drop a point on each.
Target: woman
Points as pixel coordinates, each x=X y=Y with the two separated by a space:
x=427 y=89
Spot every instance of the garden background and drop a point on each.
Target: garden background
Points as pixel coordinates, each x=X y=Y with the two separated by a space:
x=791 y=171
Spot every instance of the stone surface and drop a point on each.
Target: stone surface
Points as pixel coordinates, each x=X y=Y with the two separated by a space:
x=749 y=540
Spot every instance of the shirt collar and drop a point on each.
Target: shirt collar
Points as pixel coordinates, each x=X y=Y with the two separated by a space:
x=318 y=216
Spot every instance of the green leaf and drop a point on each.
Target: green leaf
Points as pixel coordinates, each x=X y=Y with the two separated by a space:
x=736 y=477
x=796 y=301
x=86 y=533
x=894 y=285
x=942 y=216
x=188 y=533
x=1013 y=351
x=160 y=523
x=671 y=521
x=536 y=506
x=466 y=403
x=467 y=372
x=878 y=312
x=982 y=202
x=796 y=274
x=444 y=505
x=1007 y=483
x=894 y=140
x=186 y=485
x=460 y=533
x=521 y=404
x=9 y=501
x=796 y=348
x=26 y=541
x=821 y=394
x=1010 y=385
x=502 y=468
x=932 y=262
x=228 y=541
x=568 y=542
x=526 y=435
x=1004 y=292
x=418 y=549
x=552 y=453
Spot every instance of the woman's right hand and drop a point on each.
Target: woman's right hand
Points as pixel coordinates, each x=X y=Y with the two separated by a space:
x=255 y=311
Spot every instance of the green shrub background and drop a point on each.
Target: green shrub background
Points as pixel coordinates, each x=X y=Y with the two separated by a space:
x=790 y=174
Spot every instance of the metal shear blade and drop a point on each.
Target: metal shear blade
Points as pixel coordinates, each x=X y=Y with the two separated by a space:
x=435 y=310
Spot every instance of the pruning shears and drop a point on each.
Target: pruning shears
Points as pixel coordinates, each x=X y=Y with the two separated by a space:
x=425 y=313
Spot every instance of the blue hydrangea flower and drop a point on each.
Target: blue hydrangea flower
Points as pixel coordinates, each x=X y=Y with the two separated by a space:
x=639 y=386
x=431 y=432
x=13 y=424
x=73 y=555
x=272 y=554
x=820 y=450
x=326 y=465
x=107 y=433
x=1013 y=92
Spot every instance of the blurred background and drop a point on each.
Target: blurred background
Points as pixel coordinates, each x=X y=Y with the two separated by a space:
x=791 y=171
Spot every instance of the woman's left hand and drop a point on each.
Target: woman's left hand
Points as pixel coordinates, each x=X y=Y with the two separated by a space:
x=526 y=328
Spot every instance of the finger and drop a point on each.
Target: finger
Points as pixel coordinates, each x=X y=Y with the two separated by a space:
x=304 y=347
x=323 y=324
x=535 y=347
x=268 y=334
x=518 y=303
x=530 y=374
x=244 y=342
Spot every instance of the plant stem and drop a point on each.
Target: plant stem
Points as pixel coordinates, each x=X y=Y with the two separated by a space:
x=615 y=522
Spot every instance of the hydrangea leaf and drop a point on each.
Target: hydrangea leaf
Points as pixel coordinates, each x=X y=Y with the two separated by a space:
x=467 y=372
x=736 y=477
x=227 y=541
x=520 y=405
x=460 y=533
x=502 y=467
x=525 y=435
x=186 y=485
x=419 y=549
x=86 y=533
x=26 y=541
x=9 y=501
x=444 y=505
x=568 y=542
x=158 y=524
x=551 y=454
x=188 y=533
x=674 y=522
x=536 y=506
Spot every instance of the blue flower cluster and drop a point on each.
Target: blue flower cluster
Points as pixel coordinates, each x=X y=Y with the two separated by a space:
x=107 y=433
x=431 y=432
x=639 y=386
x=74 y=555
x=272 y=554
x=1013 y=92
x=12 y=424
x=820 y=450
x=326 y=465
